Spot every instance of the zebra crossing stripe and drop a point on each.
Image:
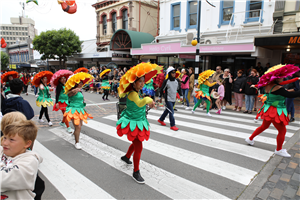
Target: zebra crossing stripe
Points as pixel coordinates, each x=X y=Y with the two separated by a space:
x=214 y=121
x=215 y=166
x=169 y=184
x=237 y=118
x=70 y=183
x=241 y=149
x=220 y=131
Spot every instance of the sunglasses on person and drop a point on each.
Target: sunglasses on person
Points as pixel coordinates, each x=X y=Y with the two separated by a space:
x=172 y=72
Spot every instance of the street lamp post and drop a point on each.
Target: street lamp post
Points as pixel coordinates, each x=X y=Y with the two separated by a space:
x=198 y=33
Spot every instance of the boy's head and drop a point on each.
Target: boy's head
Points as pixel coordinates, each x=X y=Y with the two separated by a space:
x=12 y=117
x=16 y=86
x=18 y=136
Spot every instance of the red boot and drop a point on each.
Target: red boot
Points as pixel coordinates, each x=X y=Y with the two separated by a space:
x=174 y=128
x=161 y=122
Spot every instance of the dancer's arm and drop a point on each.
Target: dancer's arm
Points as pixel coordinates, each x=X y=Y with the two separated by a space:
x=209 y=84
x=163 y=88
x=283 y=92
x=73 y=92
x=133 y=96
x=58 y=90
x=289 y=81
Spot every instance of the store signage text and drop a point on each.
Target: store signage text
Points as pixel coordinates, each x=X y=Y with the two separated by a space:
x=161 y=48
x=294 y=40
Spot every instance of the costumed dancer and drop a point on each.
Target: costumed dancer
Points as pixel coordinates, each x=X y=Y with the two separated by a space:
x=274 y=109
x=75 y=110
x=133 y=121
x=263 y=97
x=170 y=86
x=6 y=77
x=203 y=92
x=58 y=81
x=105 y=86
x=148 y=89
x=41 y=80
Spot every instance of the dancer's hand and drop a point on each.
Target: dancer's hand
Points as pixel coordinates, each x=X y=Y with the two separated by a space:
x=152 y=104
x=252 y=86
x=57 y=106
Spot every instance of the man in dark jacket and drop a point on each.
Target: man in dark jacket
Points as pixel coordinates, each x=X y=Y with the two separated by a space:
x=250 y=93
x=14 y=102
x=292 y=87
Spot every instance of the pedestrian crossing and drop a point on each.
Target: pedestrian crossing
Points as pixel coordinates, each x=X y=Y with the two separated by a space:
x=206 y=159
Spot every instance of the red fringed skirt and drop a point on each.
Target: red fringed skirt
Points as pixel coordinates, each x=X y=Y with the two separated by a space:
x=272 y=116
x=131 y=135
x=62 y=106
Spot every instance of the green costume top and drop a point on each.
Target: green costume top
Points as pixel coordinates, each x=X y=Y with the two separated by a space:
x=63 y=98
x=204 y=89
x=76 y=103
x=134 y=115
x=105 y=84
x=276 y=101
x=44 y=98
x=7 y=88
x=149 y=86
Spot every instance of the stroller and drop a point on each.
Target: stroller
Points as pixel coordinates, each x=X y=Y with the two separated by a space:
x=121 y=106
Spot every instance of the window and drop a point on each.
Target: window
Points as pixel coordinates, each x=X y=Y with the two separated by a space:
x=175 y=16
x=125 y=19
x=192 y=10
x=23 y=33
x=6 y=28
x=13 y=28
x=9 y=28
x=226 y=11
x=14 y=38
x=104 y=25
x=10 y=38
x=26 y=33
x=253 y=11
x=25 y=28
x=17 y=33
x=114 y=22
x=22 y=28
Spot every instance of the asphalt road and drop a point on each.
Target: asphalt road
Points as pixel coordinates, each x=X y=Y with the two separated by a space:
x=206 y=159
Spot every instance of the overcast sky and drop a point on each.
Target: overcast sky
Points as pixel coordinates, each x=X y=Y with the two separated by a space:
x=49 y=15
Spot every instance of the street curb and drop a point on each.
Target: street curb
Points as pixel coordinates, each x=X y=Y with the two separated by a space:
x=253 y=188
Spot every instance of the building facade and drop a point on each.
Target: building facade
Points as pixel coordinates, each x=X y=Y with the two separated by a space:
x=140 y=16
x=227 y=34
x=19 y=30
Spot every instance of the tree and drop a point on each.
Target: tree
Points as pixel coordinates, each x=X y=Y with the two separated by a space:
x=57 y=44
x=4 y=60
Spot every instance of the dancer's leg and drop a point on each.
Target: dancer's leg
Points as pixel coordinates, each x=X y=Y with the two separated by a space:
x=64 y=120
x=207 y=105
x=41 y=112
x=130 y=151
x=281 y=134
x=138 y=147
x=77 y=130
x=197 y=104
x=260 y=129
x=46 y=114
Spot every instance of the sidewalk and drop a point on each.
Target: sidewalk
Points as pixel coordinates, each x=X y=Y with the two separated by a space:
x=284 y=181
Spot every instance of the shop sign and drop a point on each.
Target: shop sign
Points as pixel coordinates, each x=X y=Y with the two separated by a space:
x=120 y=55
x=121 y=59
x=294 y=40
x=186 y=56
x=12 y=66
x=177 y=48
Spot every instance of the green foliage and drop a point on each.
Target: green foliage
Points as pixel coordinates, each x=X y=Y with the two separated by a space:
x=4 y=60
x=57 y=44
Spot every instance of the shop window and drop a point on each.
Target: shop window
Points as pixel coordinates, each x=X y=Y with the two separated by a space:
x=175 y=16
x=226 y=11
x=114 y=22
x=104 y=24
x=254 y=11
x=125 y=19
x=192 y=14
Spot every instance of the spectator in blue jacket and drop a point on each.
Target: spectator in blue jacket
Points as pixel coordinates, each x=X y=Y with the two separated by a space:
x=14 y=102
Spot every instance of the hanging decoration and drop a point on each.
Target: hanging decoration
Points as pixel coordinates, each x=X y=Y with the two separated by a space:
x=68 y=6
x=34 y=1
x=3 y=43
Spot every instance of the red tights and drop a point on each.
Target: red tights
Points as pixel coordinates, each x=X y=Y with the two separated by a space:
x=136 y=147
x=65 y=119
x=281 y=132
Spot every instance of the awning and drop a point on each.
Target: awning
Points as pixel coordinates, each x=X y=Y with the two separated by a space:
x=126 y=39
x=286 y=41
x=34 y=66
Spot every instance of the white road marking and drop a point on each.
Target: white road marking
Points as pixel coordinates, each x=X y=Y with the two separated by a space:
x=220 y=131
x=215 y=166
x=241 y=149
x=70 y=183
x=214 y=121
x=163 y=181
x=242 y=115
